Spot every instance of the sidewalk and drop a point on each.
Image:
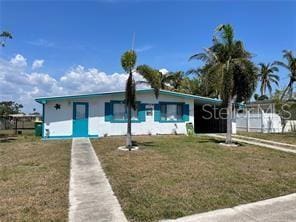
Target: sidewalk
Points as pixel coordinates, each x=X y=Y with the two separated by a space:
x=280 y=209
x=256 y=143
x=287 y=145
x=91 y=196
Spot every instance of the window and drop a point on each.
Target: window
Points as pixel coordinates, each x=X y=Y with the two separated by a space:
x=80 y=111
x=171 y=112
x=120 y=112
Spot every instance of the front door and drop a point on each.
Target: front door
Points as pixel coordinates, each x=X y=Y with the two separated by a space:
x=80 y=119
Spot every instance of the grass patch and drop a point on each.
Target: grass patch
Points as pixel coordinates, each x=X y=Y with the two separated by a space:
x=277 y=137
x=34 y=179
x=175 y=176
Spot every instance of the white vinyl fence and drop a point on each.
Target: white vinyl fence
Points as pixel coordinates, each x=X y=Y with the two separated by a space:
x=290 y=126
x=258 y=122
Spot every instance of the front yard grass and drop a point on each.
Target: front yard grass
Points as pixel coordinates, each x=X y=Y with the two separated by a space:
x=34 y=179
x=174 y=176
x=289 y=138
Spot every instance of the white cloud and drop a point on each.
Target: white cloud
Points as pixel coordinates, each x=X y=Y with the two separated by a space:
x=41 y=43
x=38 y=63
x=19 y=61
x=17 y=84
x=143 y=48
x=163 y=71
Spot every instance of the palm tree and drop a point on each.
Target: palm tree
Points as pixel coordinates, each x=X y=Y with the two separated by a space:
x=267 y=76
x=192 y=86
x=210 y=73
x=4 y=35
x=237 y=75
x=156 y=79
x=291 y=67
x=152 y=77
x=128 y=62
x=175 y=80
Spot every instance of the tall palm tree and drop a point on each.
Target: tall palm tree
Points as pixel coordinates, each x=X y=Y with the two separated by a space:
x=237 y=75
x=267 y=76
x=291 y=67
x=210 y=73
x=3 y=36
x=128 y=62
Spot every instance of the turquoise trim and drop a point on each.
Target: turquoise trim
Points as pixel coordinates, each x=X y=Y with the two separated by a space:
x=67 y=137
x=109 y=113
x=80 y=126
x=57 y=137
x=54 y=98
x=43 y=119
x=142 y=112
x=198 y=98
x=43 y=100
x=156 y=112
x=185 y=112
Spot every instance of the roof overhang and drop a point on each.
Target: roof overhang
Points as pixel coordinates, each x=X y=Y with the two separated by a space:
x=197 y=99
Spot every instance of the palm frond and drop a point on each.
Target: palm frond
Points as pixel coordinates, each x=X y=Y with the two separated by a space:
x=128 y=61
x=279 y=63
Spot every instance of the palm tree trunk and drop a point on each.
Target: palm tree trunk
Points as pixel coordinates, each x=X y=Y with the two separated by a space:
x=288 y=87
x=291 y=91
x=129 y=127
x=229 y=121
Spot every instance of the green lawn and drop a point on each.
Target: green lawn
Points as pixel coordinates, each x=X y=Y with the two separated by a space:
x=174 y=176
x=278 y=137
x=34 y=180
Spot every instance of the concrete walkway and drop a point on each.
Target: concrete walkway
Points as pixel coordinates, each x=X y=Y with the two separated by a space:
x=91 y=196
x=256 y=143
x=280 y=209
x=265 y=141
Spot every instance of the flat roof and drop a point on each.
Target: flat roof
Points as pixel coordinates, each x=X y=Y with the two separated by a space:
x=198 y=99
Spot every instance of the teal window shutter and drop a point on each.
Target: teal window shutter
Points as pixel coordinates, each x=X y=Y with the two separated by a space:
x=186 y=112
x=108 y=112
x=142 y=112
x=156 y=112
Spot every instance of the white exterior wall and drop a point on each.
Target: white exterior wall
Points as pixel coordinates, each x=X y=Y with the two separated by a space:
x=59 y=122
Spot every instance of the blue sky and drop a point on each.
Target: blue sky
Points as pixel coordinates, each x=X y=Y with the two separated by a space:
x=94 y=34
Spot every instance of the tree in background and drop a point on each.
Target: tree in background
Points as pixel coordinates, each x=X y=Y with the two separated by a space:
x=267 y=76
x=128 y=62
x=4 y=36
x=285 y=109
x=209 y=81
x=175 y=80
x=191 y=86
x=10 y=107
x=231 y=63
x=291 y=67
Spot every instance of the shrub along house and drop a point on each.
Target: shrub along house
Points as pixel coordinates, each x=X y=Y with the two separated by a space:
x=104 y=114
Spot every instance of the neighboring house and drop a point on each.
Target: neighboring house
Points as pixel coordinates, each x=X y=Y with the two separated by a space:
x=261 y=116
x=104 y=114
